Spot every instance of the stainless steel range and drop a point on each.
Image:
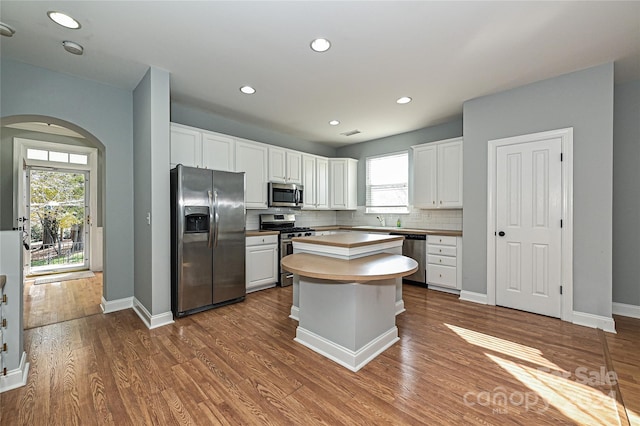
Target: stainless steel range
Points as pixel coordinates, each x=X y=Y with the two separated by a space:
x=286 y=225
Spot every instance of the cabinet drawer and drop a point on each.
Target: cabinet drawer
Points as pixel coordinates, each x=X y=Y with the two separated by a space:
x=441 y=260
x=441 y=239
x=259 y=240
x=441 y=250
x=441 y=275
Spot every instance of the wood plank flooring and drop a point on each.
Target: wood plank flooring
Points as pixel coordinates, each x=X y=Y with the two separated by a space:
x=456 y=363
x=61 y=301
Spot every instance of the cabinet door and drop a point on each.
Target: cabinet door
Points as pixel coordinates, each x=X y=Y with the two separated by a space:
x=424 y=177
x=338 y=184
x=294 y=167
x=261 y=265
x=322 y=183
x=309 y=181
x=277 y=165
x=218 y=152
x=352 y=184
x=186 y=147
x=251 y=158
x=450 y=174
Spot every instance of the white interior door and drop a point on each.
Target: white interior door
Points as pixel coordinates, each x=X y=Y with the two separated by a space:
x=528 y=223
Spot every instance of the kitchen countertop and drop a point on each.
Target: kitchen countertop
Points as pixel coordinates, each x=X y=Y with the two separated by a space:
x=445 y=232
x=348 y=239
x=256 y=233
x=376 y=267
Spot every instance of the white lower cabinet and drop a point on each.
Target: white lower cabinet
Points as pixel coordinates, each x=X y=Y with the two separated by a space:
x=444 y=263
x=261 y=262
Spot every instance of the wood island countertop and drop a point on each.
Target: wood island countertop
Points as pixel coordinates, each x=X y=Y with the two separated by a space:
x=348 y=239
x=255 y=233
x=376 y=267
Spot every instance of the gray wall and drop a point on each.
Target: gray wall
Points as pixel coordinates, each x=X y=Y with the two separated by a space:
x=151 y=192
x=626 y=193
x=582 y=100
x=106 y=113
x=6 y=170
x=396 y=143
x=201 y=119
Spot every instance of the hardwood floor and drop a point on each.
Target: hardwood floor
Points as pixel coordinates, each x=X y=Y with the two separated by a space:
x=456 y=363
x=61 y=301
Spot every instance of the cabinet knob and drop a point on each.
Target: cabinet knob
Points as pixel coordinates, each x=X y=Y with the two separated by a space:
x=440 y=201
x=440 y=239
x=440 y=250
x=440 y=275
x=433 y=202
x=440 y=260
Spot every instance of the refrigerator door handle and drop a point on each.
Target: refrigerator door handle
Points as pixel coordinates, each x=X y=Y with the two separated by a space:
x=216 y=218
x=211 y=219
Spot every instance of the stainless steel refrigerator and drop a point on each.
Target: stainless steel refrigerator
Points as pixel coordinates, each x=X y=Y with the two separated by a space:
x=207 y=239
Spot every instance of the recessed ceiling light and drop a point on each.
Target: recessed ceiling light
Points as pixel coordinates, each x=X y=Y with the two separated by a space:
x=320 y=45
x=247 y=90
x=72 y=47
x=334 y=122
x=64 y=20
x=6 y=30
x=404 y=100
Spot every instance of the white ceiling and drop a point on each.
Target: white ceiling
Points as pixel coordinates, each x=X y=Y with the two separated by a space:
x=439 y=53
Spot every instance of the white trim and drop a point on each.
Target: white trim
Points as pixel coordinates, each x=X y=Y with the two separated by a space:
x=352 y=360
x=566 y=136
x=470 y=296
x=625 y=310
x=345 y=252
x=152 y=321
x=400 y=307
x=15 y=378
x=295 y=313
x=444 y=289
x=109 y=306
x=594 y=321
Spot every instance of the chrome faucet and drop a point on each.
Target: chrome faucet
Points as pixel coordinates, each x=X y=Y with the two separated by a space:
x=381 y=219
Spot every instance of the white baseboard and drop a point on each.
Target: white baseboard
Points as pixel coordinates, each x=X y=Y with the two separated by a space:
x=109 y=306
x=152 y=321
x=295 y=313
x=15 y=378
x=470 y=296
x=594 y=321
x=400 y=307
x=352 y=360
x=625 y=310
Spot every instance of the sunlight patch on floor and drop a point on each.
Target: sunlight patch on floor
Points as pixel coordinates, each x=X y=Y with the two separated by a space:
x=506 y=347
x=578 y=401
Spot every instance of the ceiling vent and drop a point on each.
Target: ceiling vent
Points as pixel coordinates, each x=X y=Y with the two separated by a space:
x=351 y=132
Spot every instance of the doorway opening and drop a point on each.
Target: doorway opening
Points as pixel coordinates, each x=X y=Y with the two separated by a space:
x=59 y=215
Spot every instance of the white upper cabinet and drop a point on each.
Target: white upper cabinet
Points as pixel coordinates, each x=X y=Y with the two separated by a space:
x=199 y=148
x=315 y=179
x=322 y=183
x=343 y=183
x=437 y=174
x=186 y=146
x=251 y=158
x=285 y=166
x=309 y=181
x=218 y=152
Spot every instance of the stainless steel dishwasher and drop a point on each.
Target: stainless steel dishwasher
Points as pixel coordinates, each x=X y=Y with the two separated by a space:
x=415 y=247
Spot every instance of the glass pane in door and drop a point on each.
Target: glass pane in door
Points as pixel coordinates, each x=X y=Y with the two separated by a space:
x=58 y=212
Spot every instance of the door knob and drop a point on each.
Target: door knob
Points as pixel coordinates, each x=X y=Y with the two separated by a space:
x=501 y=233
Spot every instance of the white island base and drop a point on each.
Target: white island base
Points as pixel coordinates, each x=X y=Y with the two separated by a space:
x=346 y=305
x=349 y=323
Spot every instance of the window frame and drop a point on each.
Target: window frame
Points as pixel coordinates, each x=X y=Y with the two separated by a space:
x=395 y=209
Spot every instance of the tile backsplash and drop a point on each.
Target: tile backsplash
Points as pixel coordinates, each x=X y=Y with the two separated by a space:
x=416 y=218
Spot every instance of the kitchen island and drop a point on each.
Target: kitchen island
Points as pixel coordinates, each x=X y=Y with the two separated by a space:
x=345 y=294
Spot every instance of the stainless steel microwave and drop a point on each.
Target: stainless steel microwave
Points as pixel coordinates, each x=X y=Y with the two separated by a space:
x=286 y=195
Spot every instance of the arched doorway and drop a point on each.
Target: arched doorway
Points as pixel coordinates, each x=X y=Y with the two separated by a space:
x=53 y=300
